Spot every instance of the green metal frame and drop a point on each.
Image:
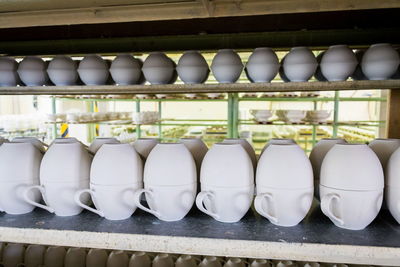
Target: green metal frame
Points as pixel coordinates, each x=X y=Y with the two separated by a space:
x=232 y=121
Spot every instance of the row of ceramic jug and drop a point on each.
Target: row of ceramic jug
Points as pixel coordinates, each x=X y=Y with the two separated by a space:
x=379 y=62
x=19 y=255
x=348 y=176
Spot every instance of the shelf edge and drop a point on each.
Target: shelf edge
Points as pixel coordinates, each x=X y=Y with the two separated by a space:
x=206 y=246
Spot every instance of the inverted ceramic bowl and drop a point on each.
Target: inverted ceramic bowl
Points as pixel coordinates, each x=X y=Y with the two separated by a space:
x=94 y=76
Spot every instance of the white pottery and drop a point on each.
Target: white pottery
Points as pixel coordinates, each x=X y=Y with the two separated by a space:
x=392 y=190
x=198 y=149
x=64 y=140
x=291 y=116
x=158 y=68
x=8 y=72
x=192 y=68
x=318 y=73
x=263 y=65
x=351 y=185
x=93 y=70
x=246 y=145
x=260 y=263
x=284 y=181
x=226 y=66
x=169 y=182
x=281 y=71
x=141 y=259
x=96 y=258
x=62 y=70
x=126 y=70
x=235 y=262
x=32 y=71
x=118 y=258
x=33 y=140
x=226 y=193
x=358 y=73
x=34 y=255
x=299 y=64
x=163 y=260
x=210 y=261
x=338 y=63
x=114 y=182
x=75 y=257
x=384 y=148
x=186 y=261
x=278 y=141
x=19 y=169
x=350 y=209
x=63 y=171
x=318 y=116
x=317 y=156
x=380 y=62
x=261 y=115
x=98 y=142
x=144 y=146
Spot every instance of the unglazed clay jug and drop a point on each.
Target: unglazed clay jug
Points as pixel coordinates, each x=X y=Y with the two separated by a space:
x=263 y=65
x=226 y=193
x=125 y=70
x=384 y=148
x=198 y=149
x=299 y=64
x=260 y=263
x=96 y=258
x=75 y=257
x=278 y=141
x=210 y=261
x=169 y=182
x=380 y=62
x=392 y=189
x=19 y=169
x=114 y=182
x=144 y=146
x=192 y=68
x=317 y=155
x=338 y=63
x=54 y=257
x=284 y=181
x=358 y=74
x=98 y=142
x=64 y=170
x=318 y=73
x=246 y=145
x=34 y=255
x=163 y=260
x=118 y=258
x=158 y=68
x=281 y=71
x=226 y=66
x=186 y=261
x=62 y=70
x=235 y=262
x=93 y=70
x=33 y=140
x=8 y=72
x=32 y=71
x=13 y=255
x=351 y=185
x=141 y=259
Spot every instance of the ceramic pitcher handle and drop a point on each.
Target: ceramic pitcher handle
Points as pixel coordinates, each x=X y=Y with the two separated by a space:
x=200 y=200
x=43 y=192
x=258 y=205
x=326 y=205
x=137 y=196
x=77 y=199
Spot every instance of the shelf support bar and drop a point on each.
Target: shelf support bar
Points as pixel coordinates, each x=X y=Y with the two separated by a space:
x=335 y=114
x=393 y=125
